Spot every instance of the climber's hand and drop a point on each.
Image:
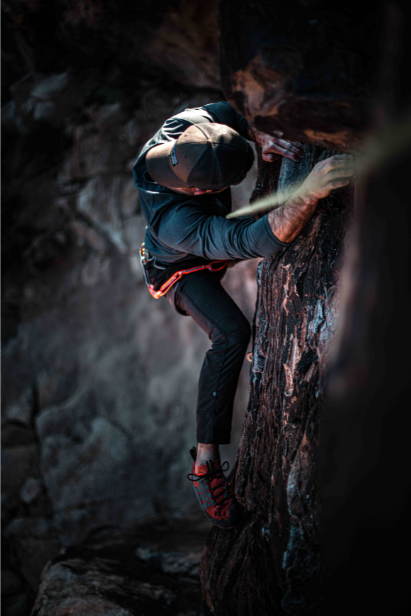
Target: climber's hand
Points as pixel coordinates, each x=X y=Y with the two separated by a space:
x=327 y=175
x=272 y=147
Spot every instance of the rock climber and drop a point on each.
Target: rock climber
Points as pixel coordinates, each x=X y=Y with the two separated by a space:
x=183 y=175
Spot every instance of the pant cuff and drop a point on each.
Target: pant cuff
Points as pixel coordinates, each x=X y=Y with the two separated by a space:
x=222 y=438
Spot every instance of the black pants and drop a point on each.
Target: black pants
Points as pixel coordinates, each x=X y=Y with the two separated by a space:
x=201 y=296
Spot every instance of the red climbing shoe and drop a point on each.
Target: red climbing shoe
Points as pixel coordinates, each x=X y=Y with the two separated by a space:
x=213 y=493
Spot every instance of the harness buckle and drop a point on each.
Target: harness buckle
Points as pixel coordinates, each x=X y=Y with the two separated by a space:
x=145 y=258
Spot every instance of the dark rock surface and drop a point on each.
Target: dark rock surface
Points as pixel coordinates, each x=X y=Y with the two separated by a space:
x=98 y=395
x=366 y=483
x=129 y=41
x=305 y=70
x=93 y=366
x=147 y=570
x=99 y=380
x=273 y=561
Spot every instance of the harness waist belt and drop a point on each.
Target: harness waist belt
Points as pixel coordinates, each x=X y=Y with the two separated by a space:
x=214 y=266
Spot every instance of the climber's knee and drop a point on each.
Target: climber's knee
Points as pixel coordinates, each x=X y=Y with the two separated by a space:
x=234 y=334
x=240 y=336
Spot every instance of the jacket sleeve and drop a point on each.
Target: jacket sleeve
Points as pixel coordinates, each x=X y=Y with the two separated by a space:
x=224 y=113
x=188 y=229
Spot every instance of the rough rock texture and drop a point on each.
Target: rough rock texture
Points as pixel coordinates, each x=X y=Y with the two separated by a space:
x=99 y=380
x=96 y=425
x=273 y=561
x=178 y=38
x=301 y=69
x=135 y=42
x=304 y=71
x=147 y=570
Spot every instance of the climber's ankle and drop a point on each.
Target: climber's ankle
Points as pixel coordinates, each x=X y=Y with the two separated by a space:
x=206 y=452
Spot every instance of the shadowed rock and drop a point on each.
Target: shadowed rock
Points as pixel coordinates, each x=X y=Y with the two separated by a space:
x=273 y=561
x=302 y=70
x=147 y=570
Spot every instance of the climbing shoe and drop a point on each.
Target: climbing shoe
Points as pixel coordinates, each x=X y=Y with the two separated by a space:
x=213 y=493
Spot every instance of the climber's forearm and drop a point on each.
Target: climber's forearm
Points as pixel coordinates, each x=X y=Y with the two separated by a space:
x=289 y=220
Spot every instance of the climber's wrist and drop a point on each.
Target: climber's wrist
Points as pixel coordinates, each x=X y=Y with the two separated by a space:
x=303 y=199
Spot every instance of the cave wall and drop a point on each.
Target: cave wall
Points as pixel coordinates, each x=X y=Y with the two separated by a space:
x=157 y=38
x=99 y=380
x=86 y=430
x=273 y=560
x=303 y=71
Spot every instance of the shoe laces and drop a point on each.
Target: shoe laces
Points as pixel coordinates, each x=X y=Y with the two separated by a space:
x=219 y=489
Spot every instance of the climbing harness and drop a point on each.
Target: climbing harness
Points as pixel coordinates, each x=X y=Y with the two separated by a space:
x=146 y=259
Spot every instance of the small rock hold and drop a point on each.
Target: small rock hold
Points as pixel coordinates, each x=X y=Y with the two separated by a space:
x=31 y=490
x=50 y=86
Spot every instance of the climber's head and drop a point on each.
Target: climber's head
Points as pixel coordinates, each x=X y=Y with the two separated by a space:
x=206 y=158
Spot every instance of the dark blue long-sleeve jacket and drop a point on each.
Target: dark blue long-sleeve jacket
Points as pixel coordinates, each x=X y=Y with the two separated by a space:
x=184 y=231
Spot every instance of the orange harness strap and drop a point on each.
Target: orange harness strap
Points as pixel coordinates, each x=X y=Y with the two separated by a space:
x=177 y=275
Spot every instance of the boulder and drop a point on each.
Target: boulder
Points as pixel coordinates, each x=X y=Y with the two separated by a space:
x=146 y=569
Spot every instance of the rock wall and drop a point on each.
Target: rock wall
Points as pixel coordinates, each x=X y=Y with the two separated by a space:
x=147 y=570
x=99 y=379
x=98 y=395
x=273 y=560
x=302 y=71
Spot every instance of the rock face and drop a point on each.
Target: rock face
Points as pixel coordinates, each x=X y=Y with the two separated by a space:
x=179 y=39
x=80 y=328
x=99 y=380
x=98 y=396
x=150 y=569
x=301 y=71
x=277 y=542
x=132 y=42
x=105 y=375
x=305 y=70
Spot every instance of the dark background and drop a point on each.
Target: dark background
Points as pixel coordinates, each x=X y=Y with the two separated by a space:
x=99 y=379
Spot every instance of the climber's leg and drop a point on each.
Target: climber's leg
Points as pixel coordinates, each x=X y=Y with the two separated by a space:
x=201 y=296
